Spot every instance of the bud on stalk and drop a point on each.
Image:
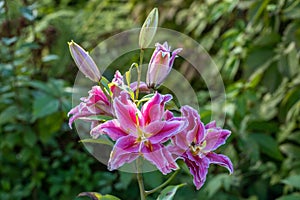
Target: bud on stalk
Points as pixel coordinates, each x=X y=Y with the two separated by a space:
x=160 y=64
x=148 y=29
x=84 y=62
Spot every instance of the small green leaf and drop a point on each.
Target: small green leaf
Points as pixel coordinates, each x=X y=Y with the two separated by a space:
x=148 y=29
x=50 y=57
x=267 y=145
x=98 y=141
x=105 y=83
x=294 y=196
x=44 y=105
x=98 y=196
x=8 y=114
x=9 y=41
x=30 y=137
x=98 y=117
x=293 y=180
x=291 y=150
x=169 y=192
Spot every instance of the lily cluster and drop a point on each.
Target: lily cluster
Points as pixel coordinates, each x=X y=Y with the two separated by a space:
x=144 y=127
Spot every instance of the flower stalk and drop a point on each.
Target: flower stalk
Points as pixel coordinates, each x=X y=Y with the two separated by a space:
x=139 y=70
x=139 y=177
x=163 y=184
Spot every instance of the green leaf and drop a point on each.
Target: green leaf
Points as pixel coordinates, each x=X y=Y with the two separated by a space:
x=267 y=145
x=98 y=117
x=98 y=196
x=169 y=192
x=44 y=105
x=294 y=196
x=295 y=136
x=50 y=57
x=293 y=180
x=28 y=13
x=215 y=184
x=8 y=114
x=9 y=41
x=30 y=137
x=100 y=140
x=290 y=150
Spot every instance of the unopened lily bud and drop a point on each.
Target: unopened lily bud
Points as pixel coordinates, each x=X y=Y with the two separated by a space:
x=148 y=29
x=160 y=64
x=84 y=62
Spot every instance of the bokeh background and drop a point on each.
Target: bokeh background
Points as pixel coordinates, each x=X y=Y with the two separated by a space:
x=254 y=43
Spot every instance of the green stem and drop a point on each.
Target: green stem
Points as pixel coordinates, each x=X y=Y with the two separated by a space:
x=162 y=185
x=139 y=70
x=140 y=180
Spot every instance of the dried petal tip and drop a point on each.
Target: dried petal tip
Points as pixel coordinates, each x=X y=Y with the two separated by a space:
x=84 y=62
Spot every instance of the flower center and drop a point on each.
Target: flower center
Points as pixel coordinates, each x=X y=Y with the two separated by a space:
x=197 y=148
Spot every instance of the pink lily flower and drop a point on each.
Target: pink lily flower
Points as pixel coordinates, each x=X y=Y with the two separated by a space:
x=140 y=132
x=196 y=143
x=116 y=84
x=160 y=64
x=95 y=104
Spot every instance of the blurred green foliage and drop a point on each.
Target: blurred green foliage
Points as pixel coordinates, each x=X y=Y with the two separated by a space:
x=254 y=43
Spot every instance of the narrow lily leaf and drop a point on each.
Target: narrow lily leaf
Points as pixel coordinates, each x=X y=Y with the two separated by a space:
x=98 y=117
x=105 y=83
x=169 y=192
x=148 y=29
x=97 y=141
x=97 y=196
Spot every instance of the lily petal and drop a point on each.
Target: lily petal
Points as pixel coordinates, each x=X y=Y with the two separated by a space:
x=142 y=88
x=153 y=109
x=160 y=157
x=111 y=128
x=198 y=168
x=195 y=128
x=165 y=130
x=220 y=159
x=125 y=151
x=214 y=138
x=127 y=113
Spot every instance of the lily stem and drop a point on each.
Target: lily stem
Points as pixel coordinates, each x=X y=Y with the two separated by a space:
x=139 y=70
x=140 y=181
x=163 y=184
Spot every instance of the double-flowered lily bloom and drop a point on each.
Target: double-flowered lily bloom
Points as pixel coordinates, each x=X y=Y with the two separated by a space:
x=160 y=64
x=140 y=132
x=196 y=143
x=96 y=103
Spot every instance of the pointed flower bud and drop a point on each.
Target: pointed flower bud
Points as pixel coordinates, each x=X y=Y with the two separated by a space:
x=84 y=62
x=160 y=64
x=148 y=29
